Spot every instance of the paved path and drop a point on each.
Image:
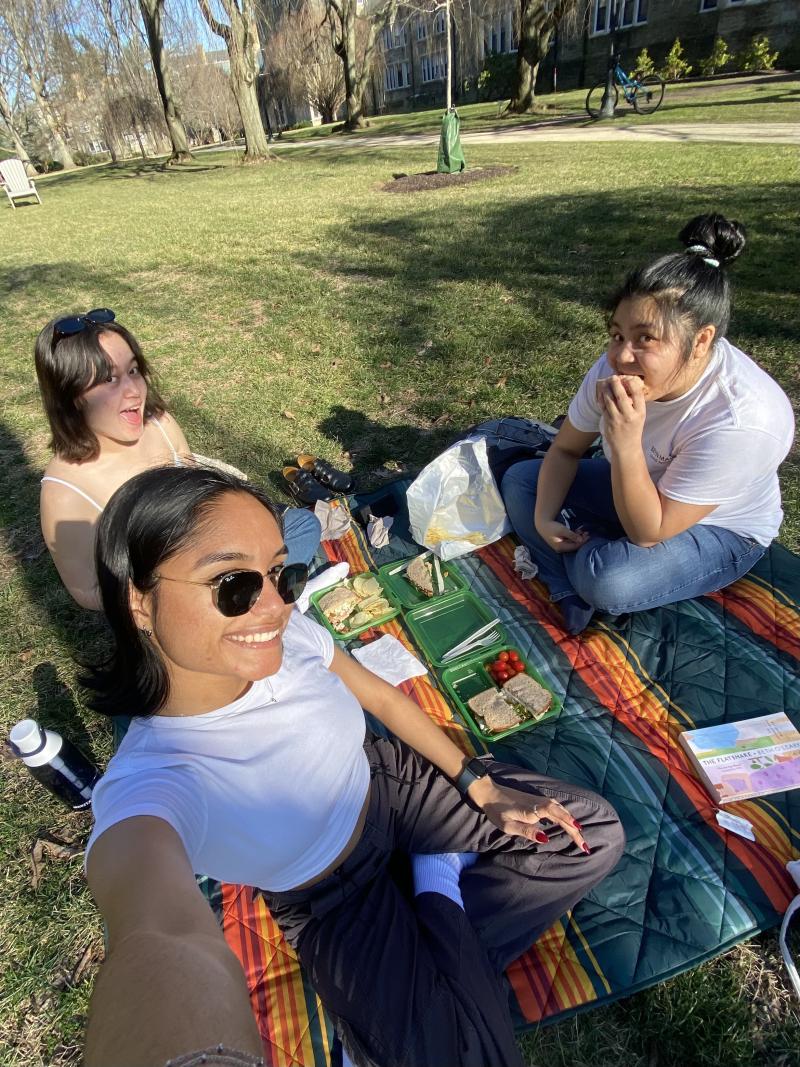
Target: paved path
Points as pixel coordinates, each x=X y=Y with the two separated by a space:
x=689 y=133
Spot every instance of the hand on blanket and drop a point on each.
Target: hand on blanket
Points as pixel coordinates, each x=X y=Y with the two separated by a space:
x=516 y=812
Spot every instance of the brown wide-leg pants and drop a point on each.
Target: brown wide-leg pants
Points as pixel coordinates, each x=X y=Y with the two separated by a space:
x=418 y=982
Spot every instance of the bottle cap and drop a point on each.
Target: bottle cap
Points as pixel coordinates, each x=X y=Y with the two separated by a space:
x=27 y=738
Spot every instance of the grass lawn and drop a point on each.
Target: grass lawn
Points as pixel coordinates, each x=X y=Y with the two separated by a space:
x=297 y=307
x=767 y=98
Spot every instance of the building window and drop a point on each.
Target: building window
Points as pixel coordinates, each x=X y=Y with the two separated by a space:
x=433 y=67
x=708 y=5
x=397 y=76
x=439 y=22
x=422 y=30
x=499 y=35
x=629 y=13
x=394 y=36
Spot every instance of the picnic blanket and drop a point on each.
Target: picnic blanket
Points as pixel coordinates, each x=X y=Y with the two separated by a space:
x=685 y=889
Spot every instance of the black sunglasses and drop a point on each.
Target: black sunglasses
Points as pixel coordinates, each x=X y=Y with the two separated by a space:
x=236 y=592
x=76 y=323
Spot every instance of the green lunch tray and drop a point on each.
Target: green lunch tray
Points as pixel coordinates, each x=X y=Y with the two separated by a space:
x=465 y=678
x=347 y=634
x=443 y=622
x=392 y=575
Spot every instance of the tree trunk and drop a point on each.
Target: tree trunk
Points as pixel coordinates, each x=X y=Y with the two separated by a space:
x=241 y=39
x=534 y=41
x=353 y=89
x=152 y=12
x=59 y=145
x=7 y=115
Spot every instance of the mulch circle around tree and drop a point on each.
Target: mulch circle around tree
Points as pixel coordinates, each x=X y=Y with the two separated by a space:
x=415 y=183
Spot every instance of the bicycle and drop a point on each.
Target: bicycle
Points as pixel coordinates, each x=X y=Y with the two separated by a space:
x=644 y=94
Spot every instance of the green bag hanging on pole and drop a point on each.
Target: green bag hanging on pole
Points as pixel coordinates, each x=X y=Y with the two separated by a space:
x=451 y=154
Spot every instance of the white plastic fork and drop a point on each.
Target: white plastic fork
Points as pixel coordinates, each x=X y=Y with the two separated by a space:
x=480 y=642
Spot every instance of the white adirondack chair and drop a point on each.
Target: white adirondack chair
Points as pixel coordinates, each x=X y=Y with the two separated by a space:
x=15 y=181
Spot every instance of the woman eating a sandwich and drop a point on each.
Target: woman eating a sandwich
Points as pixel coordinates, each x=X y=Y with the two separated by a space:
x=249 y=760
x=686 y=499
x=108 y=423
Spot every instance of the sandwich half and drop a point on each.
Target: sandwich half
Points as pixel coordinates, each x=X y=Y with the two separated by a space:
x=494 y=709
x=527 y=692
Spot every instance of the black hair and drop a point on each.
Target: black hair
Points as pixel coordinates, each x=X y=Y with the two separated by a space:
x=66 y=369
x=690 y=289
x=148 y=520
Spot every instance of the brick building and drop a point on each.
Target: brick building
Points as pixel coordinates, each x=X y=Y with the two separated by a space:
x=412 y=71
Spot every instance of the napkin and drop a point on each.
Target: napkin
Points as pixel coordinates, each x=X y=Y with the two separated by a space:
x=390 y=659
x=523 y=564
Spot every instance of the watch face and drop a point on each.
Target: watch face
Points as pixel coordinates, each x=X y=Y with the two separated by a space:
x=477 y=768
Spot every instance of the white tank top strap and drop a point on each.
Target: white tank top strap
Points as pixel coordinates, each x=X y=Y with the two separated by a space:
x=176 y=459
x=69 y=485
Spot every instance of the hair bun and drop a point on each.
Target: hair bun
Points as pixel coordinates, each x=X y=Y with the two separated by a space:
x=725 y=240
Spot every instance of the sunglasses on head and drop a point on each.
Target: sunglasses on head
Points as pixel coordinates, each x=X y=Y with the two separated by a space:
x=237 y=592
x=77 y=323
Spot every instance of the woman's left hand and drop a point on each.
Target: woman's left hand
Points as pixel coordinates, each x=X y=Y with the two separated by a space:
x=623 y=402
x=518 y=813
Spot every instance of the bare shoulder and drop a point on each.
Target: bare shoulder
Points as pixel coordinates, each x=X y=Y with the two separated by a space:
x=64 y=491
x=176 y=435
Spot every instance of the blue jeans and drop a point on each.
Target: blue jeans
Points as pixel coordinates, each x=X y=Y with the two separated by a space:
x=609 y=572
x=301 y=531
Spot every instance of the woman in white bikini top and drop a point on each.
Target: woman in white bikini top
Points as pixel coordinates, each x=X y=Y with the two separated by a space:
x=108 y=424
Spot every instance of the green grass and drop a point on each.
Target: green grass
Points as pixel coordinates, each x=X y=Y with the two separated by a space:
x=288 y=308
x=773 y=99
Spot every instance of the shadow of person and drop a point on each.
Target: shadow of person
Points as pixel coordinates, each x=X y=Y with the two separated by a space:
x=82 y=634
x=380 y=452
x=56 y=707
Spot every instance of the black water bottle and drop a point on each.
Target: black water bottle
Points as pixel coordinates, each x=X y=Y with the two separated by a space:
x=55 y=762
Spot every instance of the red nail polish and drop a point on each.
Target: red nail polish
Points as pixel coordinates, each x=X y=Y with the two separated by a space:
x=542 y=838
x=586 y=849
x=576 y=824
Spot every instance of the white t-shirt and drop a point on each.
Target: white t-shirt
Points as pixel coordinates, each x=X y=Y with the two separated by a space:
x=720 y=443
x=265 y=791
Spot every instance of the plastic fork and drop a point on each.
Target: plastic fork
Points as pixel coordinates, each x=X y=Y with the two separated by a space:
x=483 y=641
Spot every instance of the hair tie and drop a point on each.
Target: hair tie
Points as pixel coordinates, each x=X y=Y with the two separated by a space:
x=707 y=258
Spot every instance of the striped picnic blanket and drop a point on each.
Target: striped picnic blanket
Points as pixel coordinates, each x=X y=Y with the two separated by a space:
x=685 y=890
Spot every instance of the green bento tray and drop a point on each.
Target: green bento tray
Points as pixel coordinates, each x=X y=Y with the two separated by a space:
x=465 y=678
x=347 y=634
x=443 y=622
x=393 y=577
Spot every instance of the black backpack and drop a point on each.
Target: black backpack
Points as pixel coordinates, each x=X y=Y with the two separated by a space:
x=512 y=439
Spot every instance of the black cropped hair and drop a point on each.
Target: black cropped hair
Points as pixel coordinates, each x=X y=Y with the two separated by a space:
x=690 y=289
x=147 y=521
x=65 y=371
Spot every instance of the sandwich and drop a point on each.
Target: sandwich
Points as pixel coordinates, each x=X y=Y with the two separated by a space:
x=425 y=576
x=495 y=711
x=524 y=691
x=338 y=605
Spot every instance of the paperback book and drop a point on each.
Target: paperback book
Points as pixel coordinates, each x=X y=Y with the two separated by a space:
x=752 y=758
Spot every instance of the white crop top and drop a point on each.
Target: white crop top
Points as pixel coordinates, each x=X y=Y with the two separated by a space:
x=266 y=791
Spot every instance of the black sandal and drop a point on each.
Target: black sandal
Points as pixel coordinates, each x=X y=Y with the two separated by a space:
x=326 y=473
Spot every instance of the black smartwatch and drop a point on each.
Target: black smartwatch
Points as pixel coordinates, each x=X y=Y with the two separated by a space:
x=473 y=770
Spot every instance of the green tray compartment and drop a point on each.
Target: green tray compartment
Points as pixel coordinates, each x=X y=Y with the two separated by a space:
x=393 y=578
x=347 y=634
x=465 y=678
x=443 y=622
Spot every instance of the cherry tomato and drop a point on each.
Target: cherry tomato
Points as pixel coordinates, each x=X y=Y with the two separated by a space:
x=502 y=657
x=519 y=668
x=498 y=665
x=502 y=676
x=512 y=655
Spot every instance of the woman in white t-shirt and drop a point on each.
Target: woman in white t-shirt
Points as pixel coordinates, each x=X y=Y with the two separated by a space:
x=687 y=498
x=249 y=760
